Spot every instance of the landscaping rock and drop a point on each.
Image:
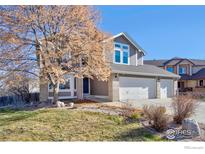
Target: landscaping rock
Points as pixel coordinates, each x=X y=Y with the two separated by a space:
x=60 y=104
x=191 y=125
x=71 y=104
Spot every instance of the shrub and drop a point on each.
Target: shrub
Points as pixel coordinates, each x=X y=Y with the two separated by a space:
x=183 y=106
x=128 y=111
x=157 y=116
x=135 y=116
x=117 y=119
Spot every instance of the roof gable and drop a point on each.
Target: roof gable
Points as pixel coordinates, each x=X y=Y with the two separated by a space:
x=174 y=61
x=177 y=61
x=130 y=40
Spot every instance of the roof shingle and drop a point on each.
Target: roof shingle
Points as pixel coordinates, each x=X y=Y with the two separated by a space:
x=143 y=70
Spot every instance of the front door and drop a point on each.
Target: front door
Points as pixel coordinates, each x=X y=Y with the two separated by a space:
x=86 y=86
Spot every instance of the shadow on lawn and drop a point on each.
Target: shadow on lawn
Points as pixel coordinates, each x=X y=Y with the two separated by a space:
x=138 y=134
x=8 y=116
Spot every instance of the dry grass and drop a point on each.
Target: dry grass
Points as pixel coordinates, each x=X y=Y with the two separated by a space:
x=69 y=125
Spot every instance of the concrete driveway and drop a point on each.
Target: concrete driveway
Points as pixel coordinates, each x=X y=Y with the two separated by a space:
x=198 y=116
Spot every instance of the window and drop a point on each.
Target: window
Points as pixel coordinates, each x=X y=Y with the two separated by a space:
x=125 y=57
x=121 y=53
x=117 y=56
x=170 y=69
x=117 y=46
x=50 y=86
x=66 y=85
x=201 y=83
x=125 y=47
x=182 y=70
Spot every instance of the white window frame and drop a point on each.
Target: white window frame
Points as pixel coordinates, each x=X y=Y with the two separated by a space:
x=184 y=68
x=64 y=90
x=121 y=53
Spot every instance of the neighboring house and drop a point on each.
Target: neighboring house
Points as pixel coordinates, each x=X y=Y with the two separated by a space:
x=192 y=72
x=130 y=79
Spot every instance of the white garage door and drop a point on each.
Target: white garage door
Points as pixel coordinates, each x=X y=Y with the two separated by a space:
x=166 y=88
x=131 y=88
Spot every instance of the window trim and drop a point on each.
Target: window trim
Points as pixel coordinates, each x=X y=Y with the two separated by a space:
x=183 y=68
x=121 y=53
x=62 y=90
x=168 y=67
x=115 y=56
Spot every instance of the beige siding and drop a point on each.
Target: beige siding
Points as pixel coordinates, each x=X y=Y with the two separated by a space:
x=191 y=83
x=140 y=59
x=98 y=87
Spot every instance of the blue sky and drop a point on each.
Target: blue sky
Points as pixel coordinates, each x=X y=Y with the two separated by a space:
x=162 y=31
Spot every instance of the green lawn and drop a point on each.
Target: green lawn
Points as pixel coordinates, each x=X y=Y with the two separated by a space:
x=68 y=125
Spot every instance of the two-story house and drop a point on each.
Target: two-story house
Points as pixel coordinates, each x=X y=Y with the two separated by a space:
x=130 y=78
x=192 y=72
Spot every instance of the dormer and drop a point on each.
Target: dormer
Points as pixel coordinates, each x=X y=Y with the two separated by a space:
x=127 y=51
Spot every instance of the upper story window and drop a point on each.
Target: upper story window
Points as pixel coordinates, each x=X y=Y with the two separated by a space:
x=117 y=56
x=170 y=69
x=121 y=53
x=182 y=70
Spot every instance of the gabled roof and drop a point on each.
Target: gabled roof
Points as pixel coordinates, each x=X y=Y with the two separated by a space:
x=177 y=60
x=142 y=70
x=174 y=61
x=130 y=40
x=199 y=75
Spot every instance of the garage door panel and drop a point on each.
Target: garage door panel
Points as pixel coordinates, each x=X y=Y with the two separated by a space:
x=166 y=88
x=137 y=88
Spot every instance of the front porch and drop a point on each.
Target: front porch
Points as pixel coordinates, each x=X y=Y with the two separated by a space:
x=93 y=88
x=74 y=88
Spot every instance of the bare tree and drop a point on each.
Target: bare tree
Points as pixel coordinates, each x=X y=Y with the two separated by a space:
x=60 y=39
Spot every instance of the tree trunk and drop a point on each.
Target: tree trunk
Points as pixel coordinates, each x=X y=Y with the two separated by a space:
x=55 y=93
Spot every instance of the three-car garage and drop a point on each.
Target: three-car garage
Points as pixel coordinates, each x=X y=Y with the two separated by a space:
x=130 y=83
x=136 y=88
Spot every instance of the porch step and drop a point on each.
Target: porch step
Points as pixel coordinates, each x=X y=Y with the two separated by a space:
x=96 y=98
